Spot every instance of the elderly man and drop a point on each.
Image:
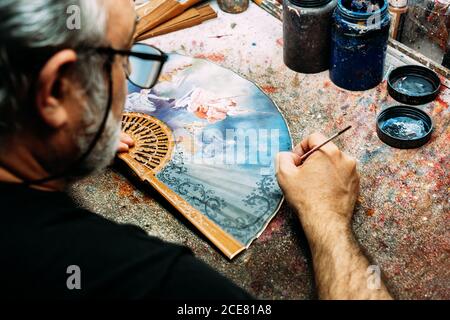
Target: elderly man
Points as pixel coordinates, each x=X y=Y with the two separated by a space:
x=62 y=92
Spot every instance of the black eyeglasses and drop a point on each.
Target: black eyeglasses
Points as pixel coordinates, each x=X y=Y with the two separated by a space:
x=145 y=63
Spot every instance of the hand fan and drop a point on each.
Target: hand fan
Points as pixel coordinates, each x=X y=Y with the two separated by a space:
x=153 y=149
x=206 y=139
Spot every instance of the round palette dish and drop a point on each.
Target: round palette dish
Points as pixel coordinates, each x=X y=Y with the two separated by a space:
x=413 y=85
x=404 y=127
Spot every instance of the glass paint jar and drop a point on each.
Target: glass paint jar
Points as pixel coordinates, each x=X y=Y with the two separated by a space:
x=307 y=34
x=359 y=37
x=233 y=6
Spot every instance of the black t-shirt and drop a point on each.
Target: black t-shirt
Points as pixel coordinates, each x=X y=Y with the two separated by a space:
x=43 y=234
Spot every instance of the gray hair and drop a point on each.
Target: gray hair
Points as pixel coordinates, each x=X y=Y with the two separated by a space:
x=33 y=26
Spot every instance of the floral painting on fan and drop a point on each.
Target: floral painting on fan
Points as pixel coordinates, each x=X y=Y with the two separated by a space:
x=226 y=133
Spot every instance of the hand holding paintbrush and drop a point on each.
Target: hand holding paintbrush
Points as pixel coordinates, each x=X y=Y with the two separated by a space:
x=325 y=185
x=306 y=155
x=322 y=193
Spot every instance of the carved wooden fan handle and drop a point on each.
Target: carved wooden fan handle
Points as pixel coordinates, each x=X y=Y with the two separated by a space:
x=227 y=244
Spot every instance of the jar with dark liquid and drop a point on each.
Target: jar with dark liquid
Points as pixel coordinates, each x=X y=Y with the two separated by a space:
x=307 y=34
x=359 y=36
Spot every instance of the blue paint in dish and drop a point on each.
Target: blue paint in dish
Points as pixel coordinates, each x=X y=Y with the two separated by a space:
x=404 y=127
x=413 y=85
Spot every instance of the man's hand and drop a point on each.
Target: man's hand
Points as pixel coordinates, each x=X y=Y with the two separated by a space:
x=125 y=143
x=323 y=190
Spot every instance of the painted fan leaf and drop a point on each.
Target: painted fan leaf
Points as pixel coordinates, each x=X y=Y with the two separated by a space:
x=226 y=133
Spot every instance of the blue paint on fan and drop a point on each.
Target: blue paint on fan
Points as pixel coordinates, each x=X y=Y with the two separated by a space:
x=227 y=133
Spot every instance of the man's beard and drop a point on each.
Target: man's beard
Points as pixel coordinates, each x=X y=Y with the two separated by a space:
x=105 y=149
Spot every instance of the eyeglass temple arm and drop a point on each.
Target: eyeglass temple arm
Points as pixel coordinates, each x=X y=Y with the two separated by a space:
x=146 y=56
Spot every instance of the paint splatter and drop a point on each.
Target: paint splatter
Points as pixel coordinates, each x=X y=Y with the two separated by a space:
x=440 y=105
x=220 y=36
x=274 y=226
x=373 y=107
x=295 y=82
x=214 y=57
x=280 y=42
x=126 y=190
x=269 y=89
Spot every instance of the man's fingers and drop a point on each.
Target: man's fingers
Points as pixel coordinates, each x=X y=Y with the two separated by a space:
x=312 y=141
x=350 y=161
x=287 y=161
x=125 y=143
x=299 y=150
x=315 y=140
x=123 y=147
x=126 y=139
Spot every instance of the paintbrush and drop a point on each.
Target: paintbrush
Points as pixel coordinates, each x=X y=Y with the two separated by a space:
x=306 y=155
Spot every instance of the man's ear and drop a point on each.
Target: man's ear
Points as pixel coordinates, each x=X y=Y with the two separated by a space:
x=52 y=87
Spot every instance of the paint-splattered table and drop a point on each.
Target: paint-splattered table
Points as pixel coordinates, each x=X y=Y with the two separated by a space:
x=402 y=220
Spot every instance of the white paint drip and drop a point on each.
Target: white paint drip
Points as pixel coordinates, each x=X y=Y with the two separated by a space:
x=295 y=10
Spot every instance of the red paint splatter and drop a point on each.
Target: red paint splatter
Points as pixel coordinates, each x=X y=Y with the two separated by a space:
x=274 y=226
x=126 y=190
x=397 y=269
x=215 y=57
x=280 y=42
x=440 y=105
x=269 y=89
x=339 y=121
x=443 y=80
x=327 y=84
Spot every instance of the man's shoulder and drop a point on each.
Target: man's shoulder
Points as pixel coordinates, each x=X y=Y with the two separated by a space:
x=96 y=238
x=115 y=260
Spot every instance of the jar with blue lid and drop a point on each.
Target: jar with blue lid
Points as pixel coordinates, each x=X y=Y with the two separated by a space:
x=360 y=33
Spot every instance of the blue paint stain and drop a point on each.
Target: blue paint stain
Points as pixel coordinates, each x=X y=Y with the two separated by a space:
x=362 y=6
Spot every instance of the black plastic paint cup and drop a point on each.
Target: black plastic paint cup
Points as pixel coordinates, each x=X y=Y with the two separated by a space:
x=413 y=84
x=404 y=127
